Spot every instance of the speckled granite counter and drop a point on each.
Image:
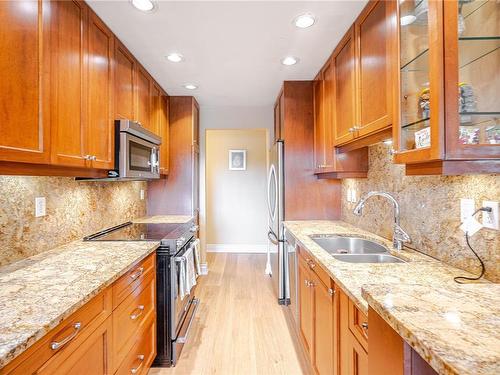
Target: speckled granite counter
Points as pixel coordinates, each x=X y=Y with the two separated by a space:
x=454 y=328
x=164 y=219
x=37 y=293
x=424 y=289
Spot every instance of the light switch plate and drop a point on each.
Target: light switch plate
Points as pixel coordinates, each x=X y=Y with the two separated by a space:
x=142 y=194
x=40 y=207
x=354 y=199
x=467 y=207
x=490 y=219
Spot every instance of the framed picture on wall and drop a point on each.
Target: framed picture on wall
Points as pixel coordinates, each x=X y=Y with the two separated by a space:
x=237 y=160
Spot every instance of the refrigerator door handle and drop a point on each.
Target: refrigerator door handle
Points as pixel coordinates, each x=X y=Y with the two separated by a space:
x=272 y=174
x=272 y=237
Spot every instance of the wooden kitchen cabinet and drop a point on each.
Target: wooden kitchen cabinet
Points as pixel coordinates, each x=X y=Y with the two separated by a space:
x=125 y=82
x=317 y=315
x=144 y=99
x=374 y=38
x=306 y=306
x=100 y=120
x=25 y=80
x=447 y=111
x=344 y=62
x=107 y=335
x=69 y=75
x=165 y=135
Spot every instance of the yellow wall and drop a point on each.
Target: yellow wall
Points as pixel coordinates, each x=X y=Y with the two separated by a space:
x=236 y=201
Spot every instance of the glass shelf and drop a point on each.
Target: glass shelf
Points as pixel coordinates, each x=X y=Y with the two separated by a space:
x=418 y=123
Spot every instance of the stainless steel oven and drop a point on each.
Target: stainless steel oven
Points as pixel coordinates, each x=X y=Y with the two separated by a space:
x=137 y=151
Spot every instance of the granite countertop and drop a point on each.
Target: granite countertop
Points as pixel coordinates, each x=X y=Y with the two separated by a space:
x=412 y=278
x=164 y=219
x=37 y=293
x=454 y=328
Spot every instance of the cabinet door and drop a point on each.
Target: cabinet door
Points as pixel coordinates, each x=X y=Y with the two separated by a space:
x=125 y=67
x=155 y=108
x=25 y=136
x=324 y=327
x=328 y=106
x=373 y=33
x=277 y=122
x=93 y=356
x=69 y=83
x=358 y=358
x=164 y=133
x=344 y=62
x=144 y=102
x=319 y=124
x=306 y=301
x=100 y=127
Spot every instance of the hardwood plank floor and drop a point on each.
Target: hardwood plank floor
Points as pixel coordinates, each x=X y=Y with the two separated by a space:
x=239 y=328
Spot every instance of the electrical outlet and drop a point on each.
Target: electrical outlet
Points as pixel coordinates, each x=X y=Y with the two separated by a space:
x=142 y=194
x=349 y=194
x=40 y=206
x=490 y=219
x=467 y=207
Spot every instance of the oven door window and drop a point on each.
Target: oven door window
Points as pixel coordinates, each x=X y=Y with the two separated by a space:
x=139 y=157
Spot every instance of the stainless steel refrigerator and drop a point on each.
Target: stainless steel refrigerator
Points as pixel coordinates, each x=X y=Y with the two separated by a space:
x=276 y=208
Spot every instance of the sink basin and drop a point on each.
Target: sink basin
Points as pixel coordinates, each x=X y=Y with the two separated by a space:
x=368 y=258
x=348 y=245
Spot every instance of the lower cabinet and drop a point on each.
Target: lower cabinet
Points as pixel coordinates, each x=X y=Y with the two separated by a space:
x=317 y=316
x=101 y=337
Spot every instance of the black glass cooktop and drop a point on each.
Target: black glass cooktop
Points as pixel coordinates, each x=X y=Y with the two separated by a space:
x=140 y=232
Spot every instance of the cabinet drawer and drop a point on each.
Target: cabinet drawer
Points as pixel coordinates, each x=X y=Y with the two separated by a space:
x=358 y=324
x=65 y=338
x=143 y=352
x=129 y=317
x=132 y=279
x=314 y=266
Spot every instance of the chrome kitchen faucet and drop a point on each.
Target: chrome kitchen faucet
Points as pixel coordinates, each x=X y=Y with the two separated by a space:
x=399 y=236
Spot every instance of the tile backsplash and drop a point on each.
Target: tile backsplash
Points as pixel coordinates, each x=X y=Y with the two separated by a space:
x=74 y=209
x=430 y=211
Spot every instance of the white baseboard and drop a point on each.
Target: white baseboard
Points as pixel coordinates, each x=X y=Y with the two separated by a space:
x=204 y=268
x=236 y=248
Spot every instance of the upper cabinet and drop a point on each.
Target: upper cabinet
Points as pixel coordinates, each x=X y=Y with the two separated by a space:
x=144 y=100
x=100 y=93
x=69 y=83
x=24 y=128
x=164 y=133
x=125 y=68
x=448 y=108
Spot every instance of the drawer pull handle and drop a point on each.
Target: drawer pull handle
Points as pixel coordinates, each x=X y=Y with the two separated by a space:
x=135 y=314
x=135 y=370
x=54 y=345
x=137 y=273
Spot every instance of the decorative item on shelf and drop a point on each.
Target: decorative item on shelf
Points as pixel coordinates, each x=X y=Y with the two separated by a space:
x=461 y=20
x=466 y=102
x=237 y=160
x=493 y=134
x=423 y=138
x=424 y=103
x=469 y=136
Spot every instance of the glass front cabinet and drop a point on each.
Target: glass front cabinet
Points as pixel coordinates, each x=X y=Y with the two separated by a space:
x=447 y=113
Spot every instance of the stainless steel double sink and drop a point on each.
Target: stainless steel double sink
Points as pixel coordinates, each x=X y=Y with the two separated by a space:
x=354 y=249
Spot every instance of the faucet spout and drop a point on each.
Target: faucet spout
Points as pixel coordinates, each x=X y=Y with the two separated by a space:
x=399 y=236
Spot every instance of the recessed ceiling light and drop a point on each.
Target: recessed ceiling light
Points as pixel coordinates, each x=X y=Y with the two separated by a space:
x=190 y=86
x=175 y=57
x=407 y=20
x=304 y=21
x=144 y=5
x=289 y=60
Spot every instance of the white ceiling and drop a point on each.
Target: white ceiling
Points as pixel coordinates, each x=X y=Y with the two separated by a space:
x=232 y=49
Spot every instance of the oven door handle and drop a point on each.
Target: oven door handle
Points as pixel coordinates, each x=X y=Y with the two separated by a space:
x=183 y=339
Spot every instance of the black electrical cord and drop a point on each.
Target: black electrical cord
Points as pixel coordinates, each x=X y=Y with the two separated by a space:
x=464 y=279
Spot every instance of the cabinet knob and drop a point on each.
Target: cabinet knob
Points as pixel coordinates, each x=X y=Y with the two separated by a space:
x=352 y=130
x=364 y=325
x=331 y=292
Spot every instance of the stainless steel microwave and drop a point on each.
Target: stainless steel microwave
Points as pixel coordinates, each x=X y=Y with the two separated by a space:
x=137 y=154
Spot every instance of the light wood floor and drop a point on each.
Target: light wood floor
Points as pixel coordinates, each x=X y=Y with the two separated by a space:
x=239 y=328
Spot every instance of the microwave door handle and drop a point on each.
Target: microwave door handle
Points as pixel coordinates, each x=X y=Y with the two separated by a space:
x=153 y=163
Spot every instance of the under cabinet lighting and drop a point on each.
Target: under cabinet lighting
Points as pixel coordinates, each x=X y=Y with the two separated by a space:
x=388 y=142
x=190 y=86
x=143 y=5
x=289 y=60
x=407 y=20
x=175 y=57
x=304 y=21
